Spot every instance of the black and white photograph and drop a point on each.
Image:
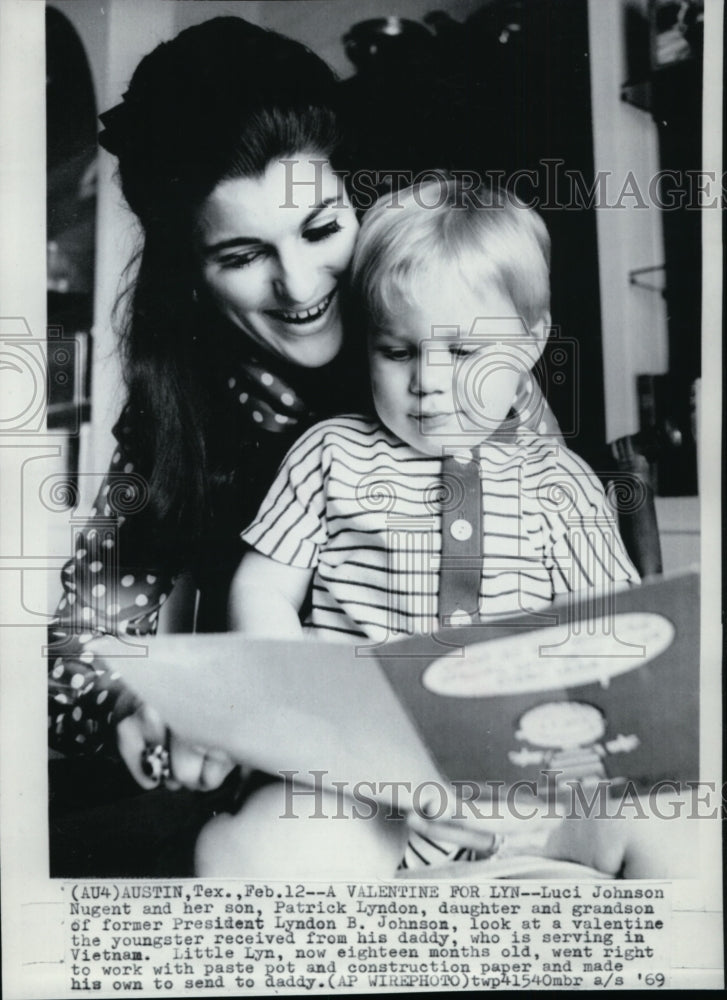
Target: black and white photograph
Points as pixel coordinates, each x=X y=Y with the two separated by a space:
x=361 y=442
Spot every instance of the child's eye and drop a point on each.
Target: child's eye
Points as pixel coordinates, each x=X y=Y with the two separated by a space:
x=318 y=233
x=463 y=350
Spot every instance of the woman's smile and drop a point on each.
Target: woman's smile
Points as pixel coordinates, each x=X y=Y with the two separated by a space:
x=304 y=317
x=273 y=250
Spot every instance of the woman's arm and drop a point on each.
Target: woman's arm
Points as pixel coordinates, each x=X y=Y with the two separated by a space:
x=106 y=592
x=266 y=597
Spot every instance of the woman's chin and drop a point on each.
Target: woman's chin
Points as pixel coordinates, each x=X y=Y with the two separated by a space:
x=311 y=350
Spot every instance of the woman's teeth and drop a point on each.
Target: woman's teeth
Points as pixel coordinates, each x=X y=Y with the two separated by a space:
x=307 y=315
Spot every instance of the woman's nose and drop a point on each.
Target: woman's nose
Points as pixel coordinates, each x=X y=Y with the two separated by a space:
x=295 y=282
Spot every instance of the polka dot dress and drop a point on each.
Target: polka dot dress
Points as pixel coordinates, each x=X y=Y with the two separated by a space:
x=268 y=401
x=104 y=596
x=99 y=599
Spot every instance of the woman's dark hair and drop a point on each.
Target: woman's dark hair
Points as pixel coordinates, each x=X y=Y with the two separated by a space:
x=221 y=100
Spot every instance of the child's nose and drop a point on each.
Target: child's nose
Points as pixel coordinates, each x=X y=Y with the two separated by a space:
x=427 y=378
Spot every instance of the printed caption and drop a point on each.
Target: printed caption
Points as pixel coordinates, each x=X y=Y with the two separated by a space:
x=232 y=937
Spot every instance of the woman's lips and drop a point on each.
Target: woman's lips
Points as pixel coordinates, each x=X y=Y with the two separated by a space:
x=303 y=316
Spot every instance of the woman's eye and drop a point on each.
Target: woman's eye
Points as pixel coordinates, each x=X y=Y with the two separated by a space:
x=396 y=353
x=241 y=259
x=318 y=233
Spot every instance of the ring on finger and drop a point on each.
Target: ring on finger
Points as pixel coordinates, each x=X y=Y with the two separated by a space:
x=155 y=762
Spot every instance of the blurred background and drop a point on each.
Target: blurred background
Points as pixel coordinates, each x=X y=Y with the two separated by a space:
x=588 y=99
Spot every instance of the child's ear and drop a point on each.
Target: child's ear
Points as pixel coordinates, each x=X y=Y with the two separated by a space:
x=540 y=333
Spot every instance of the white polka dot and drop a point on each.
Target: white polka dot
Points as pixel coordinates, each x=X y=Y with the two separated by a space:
x=266 y=378
x=280 y=418
x=61 y=699
x=70 y=569
x=141 y=600
x=150 y=578
x=80 y=738
x=87 y=613
x=121 y=521
x=287 y=398
x=257 y=416
x=101 y=698
x=77 y=681
x=92 y=535
x=129 y=467
x=86 y=657
x=232 y=382
x=108 y=543
x=162 y=598
x=113 y=609
x=105 y=490
x=96 y=566
x=123 y=625
x=114 y=675
x=77 y=714
x=58 y=670
x=127 y=581
x=85 y=637
x=81 y=554
x=98 y=591
x=71 y=598
x=70 y=585
x=542 y=427
x=116 y=458
x=107 y=510
x=62 y=603
x=243 y=397
x=94 y=512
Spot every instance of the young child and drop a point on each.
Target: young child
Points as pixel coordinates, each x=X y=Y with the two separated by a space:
x=444 y=509
x=457 y=298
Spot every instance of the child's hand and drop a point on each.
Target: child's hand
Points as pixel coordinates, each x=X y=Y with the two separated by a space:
x=521 y=821
x=611 y=840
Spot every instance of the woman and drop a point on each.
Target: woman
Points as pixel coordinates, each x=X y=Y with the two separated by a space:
x=228 y=147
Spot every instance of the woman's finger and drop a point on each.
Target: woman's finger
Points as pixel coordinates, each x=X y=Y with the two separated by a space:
x=215 y=769
x=132 y=741
x=185 y=763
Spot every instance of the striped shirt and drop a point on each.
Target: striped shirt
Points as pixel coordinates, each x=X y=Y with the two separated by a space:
x=363 y=510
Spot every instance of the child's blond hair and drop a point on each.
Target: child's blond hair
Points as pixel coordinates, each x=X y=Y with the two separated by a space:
x=484 y=235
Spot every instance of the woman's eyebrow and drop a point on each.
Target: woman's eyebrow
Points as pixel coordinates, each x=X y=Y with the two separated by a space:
x=236 y=241
x=246 y=241
x=326 y=203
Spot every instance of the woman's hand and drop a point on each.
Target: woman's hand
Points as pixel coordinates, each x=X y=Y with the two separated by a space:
x=190 y=766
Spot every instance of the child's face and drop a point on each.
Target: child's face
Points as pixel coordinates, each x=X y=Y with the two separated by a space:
x=445 y=371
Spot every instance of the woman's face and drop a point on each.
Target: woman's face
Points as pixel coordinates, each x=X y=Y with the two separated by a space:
x=272 y=252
